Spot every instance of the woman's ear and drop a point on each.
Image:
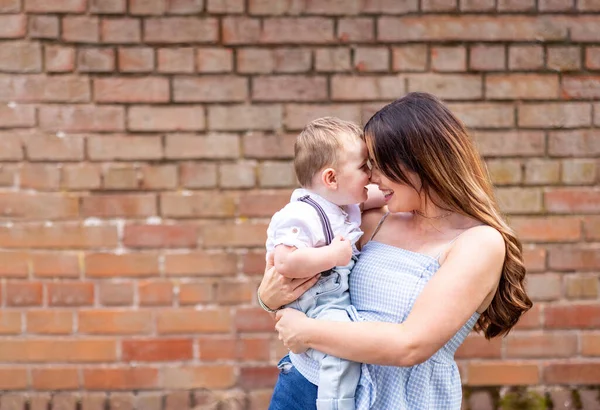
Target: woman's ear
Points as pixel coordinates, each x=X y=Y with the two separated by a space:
x=329 y=178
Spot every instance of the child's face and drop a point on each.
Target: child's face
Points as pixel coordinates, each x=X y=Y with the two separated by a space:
x=353 y=174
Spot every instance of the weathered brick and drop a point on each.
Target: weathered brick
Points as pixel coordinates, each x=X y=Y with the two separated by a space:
x=579 y=171
x=44 y=27
x=95 y=60
x=240 y=30
x=47 y=206
x=77 y=118
x=185 y=6
x=581 y=87
x=448 y=58
x=120 y=177
x=160 y=236
x=128 y=148
x=525 y=57
x=106 y=265
x=50 y=322
x=410 y=57
x=16 y=117
x=147 y=7
x=237 y=175
x=16 y=56
x=198 y=175
x=289 y=88
x=516 y=5
x=578 y=143
x=238 y=235
x=176 y=60
x=542 y=171
x=70 y=294
x=569 y=258
x=80 y=29
x=113 y=205
x=55 y=6
x=277 y=174
x=205 y=147
x=487 y=58
x=566 y=200
x=447 y=86
x=245 y=117
x=179 y=118
x=584 y=29
x=174 y=321
x=588 y=5
x=371 y=59
x=541 y=345
x=332 y=59
x=521 y=86
x=438 y=5
x=502 y=373
x=155 y=293
x=555 y=115
x=10 y=6
x=215 y=60
x=307 y=30
x=298 y=115
x=108 y=6
x=200 y=264
x=582 y=287
x=122 y=378
x=564 y=58
x=120 y=30
x=159 y=176
x=505 y=172
x=520 y=200
x=485 y=115
x=197 y=205
x=592 y=58
x=215 y=88
x=356 y=29
x=225 y=6
x=136 y=59
x=59 y=58
x=115 y=293
x=43 y=88
x=477 y=5
x=41 y=177
x=180 y=30
x=354 y=88
x=149 y=89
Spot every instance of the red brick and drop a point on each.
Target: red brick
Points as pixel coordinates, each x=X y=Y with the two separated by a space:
x=58 y=350
x=18 y=116
x=136 y=60
x=358 y=29
x=115 y=293
x=198 y=175
x=55 y=264
x=200 y=264
x=572 y=373
x=590 y=344
x=127 y=148
x=389 y=6
x=578 y=171
x=157 y=350
x=46 y=88
x=477 y=5
x=235 y=292
x=62 y=378
x=584 y=29
x=80 y=177
x=538 y=345
x=24 y=293
x=580 y=87
x=486 y=115
x=412 y=57
x=332 y=59
x=573 y=316
x=179 y=118
x=260 y=145
x=80 y=29
x=10 y=322
x=247 y=117
x=469 y=27
x=289 y=88
x=55 y=6
x=39 y=177
x=193 y=293
x=176 y=60
x=197 y=205
x=120 y=30
x=215 y=349
x=353 y=88
x=184 y=320
x=10 y=6
x=44 y=27
x=569 y=200
x=438 y=5
x=564 y=58
x=81 y=118
x=522 y=86
x=582 y=287
x=252 y=378
x=371 y=59
x=503 y=143
x=70 y=294
x=487 y=58
x=215 y=60
x=50 y=322
x=447 y=86
x=18 y=56
x=592 y=58
x=111 y=265
x=534 y=258
x=526 y=57
x=10 y=146
x=505 y=172
x=159 y=176
x=185 y=6
x=591 y=226
x=575 y=258
x=249 y=320
x=147 y=7
x=152 y=293
x=14 y=264
x=180 y=30
x=555 y=5
x=150 y=89
x=119 y=205
x=262 y=204
x=307 y=30
x=108 y=322
x=238 y=175
x=532 y=319
x=160 y=236
x=225 y=6
x=13 y=378
x=448 y=58
x=119 y=378
x=210 y=89
x=96 y=60
x=59 y=58
x=502 y=373
x=253 y=263
x=547 y=229
x=578 y=143
x=476 y=346
x=240 y=30
x=242 y=235
x=41 y=147
x=211 y=146
x=124 y=177
x=276 y=175
x=199 y=377
x=38 y=205
x=555 y=115
x=108 y=6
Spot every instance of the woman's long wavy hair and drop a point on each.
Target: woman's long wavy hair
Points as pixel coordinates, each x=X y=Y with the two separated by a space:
x=418 y=133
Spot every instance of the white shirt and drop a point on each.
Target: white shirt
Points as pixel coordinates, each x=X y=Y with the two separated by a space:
x=299 y=225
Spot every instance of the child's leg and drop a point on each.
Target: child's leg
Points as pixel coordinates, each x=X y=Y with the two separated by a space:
x=337 y=378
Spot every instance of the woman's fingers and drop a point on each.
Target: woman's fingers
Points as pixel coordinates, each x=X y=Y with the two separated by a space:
x=304 y=284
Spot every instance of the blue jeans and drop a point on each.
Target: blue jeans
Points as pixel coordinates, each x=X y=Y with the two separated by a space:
x=292 y=391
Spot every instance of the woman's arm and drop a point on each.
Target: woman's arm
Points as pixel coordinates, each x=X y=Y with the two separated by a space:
x=469 y=274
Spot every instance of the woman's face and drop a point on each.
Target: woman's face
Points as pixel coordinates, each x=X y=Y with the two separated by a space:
x=399 y=197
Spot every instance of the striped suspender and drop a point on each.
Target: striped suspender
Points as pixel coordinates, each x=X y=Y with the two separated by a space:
x=324 y=222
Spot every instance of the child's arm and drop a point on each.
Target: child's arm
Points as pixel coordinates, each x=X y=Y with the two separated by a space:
x=375 y=198
x=305 y=262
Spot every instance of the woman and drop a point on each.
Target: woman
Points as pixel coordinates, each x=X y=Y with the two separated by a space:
x=439 y=263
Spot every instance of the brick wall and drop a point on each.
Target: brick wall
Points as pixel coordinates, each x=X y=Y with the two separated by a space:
x=145 y=144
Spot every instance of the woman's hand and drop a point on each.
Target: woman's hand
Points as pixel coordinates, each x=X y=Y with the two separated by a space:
x=290 y=324
x=276 y=290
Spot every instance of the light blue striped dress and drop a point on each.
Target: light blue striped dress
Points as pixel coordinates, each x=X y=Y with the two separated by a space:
x=384 y=285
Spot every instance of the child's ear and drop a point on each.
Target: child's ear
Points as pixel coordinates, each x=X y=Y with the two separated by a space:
x=329 y=178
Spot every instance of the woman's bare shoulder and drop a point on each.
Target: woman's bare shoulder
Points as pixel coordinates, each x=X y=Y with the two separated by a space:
x=369 y=221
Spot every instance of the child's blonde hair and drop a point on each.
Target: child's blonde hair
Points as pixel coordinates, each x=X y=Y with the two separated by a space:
x=319 y=145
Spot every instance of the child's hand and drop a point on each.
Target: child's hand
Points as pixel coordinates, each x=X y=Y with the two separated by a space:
x=342 y=251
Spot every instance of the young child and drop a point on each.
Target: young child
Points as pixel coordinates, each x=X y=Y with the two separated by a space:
x=318 y=231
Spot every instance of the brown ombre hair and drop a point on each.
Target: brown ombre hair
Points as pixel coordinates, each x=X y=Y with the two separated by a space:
x=419 y=134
